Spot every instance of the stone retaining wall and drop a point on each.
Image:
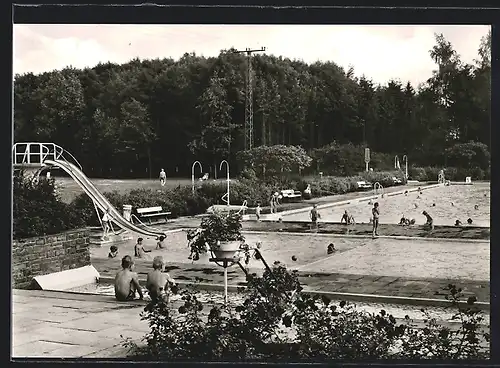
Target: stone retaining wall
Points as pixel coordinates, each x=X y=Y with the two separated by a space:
x=48 y=254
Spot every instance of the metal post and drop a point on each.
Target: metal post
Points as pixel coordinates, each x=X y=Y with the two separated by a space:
x=405 y=158
x=192 y=174
x=227 y=169
x=366 y=166
x=225 y=282
x=249 y=98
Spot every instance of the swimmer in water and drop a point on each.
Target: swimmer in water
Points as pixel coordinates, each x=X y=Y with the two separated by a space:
x=433 y=205
x=476 y=207
x=458 y=223
x=406 y=193
x=412 y=221
x=469 y=221
x=402 y=221
x=452 y=204
x=416 y=205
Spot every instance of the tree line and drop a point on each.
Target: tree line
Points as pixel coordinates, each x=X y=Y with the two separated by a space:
x=135 y=118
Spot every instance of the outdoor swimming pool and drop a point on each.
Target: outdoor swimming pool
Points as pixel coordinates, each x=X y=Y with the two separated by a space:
x=446 y=259
x=213 y=298
x=445 y=204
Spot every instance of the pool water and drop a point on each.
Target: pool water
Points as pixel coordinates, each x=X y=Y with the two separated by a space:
x=445 y=204
x=217 y=298
x=416 y=257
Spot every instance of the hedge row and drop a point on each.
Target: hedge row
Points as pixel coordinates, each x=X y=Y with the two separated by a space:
x=450 y=173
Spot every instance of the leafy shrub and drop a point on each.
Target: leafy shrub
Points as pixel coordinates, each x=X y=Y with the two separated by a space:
x=274 y=160
x=348 y=159
x=37 y=210
x=277 y=321
x=469 y=155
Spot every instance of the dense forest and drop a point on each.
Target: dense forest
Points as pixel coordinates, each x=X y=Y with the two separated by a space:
x=133 y=119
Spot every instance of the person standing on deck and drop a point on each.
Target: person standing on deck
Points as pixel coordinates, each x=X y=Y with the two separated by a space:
x=163 y=177
x=375 y=218
x=272 y=203
x=105 y=224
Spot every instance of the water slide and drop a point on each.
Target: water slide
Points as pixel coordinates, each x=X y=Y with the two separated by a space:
x=99 y=199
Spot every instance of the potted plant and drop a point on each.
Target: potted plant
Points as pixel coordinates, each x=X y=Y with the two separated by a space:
x=220 y=233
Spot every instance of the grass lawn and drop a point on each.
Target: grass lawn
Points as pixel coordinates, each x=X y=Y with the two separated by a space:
x=69 y=189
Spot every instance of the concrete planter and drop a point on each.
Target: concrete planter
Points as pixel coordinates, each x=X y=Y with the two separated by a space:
x=226 y=250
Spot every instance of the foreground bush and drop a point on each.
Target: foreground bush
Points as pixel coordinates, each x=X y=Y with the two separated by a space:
x=37 y=210
x=276 y=321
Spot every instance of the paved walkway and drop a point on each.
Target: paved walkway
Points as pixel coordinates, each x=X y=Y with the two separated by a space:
x=54 y=324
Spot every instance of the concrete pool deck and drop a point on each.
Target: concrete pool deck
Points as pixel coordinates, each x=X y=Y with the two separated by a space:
x=72 y=325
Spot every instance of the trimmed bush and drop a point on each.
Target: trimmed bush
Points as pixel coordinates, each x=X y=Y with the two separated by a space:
x=450 y=173
x=37 y=210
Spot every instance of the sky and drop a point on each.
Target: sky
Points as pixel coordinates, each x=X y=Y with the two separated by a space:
x=379 y=52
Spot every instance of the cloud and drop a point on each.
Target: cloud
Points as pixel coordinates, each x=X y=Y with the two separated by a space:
x=379 y=52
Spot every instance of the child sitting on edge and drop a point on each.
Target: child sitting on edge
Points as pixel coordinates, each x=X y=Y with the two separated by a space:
x=158 y=283
x=127 y=282
x=113 y=251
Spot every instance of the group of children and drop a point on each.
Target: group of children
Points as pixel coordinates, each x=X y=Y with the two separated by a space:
x=158 y=283
x=274 y=201
x=139 y=250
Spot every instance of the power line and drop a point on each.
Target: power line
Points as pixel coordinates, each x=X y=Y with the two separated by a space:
x=249 y=97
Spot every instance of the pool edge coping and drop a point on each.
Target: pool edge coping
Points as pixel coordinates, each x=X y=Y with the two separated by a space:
x=354 y=236
x=366 y=298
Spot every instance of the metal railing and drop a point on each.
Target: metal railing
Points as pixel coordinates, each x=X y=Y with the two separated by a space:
x=378 y=187
x=35 y=154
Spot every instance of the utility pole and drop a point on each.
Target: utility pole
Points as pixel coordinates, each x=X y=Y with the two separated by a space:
x=249 y=97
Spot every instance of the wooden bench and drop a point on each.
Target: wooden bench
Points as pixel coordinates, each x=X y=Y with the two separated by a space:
x=291 y=194
x=364 y=185
x=152 y=212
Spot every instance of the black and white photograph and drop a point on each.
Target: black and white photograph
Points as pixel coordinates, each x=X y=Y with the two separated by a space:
x=259 y=192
